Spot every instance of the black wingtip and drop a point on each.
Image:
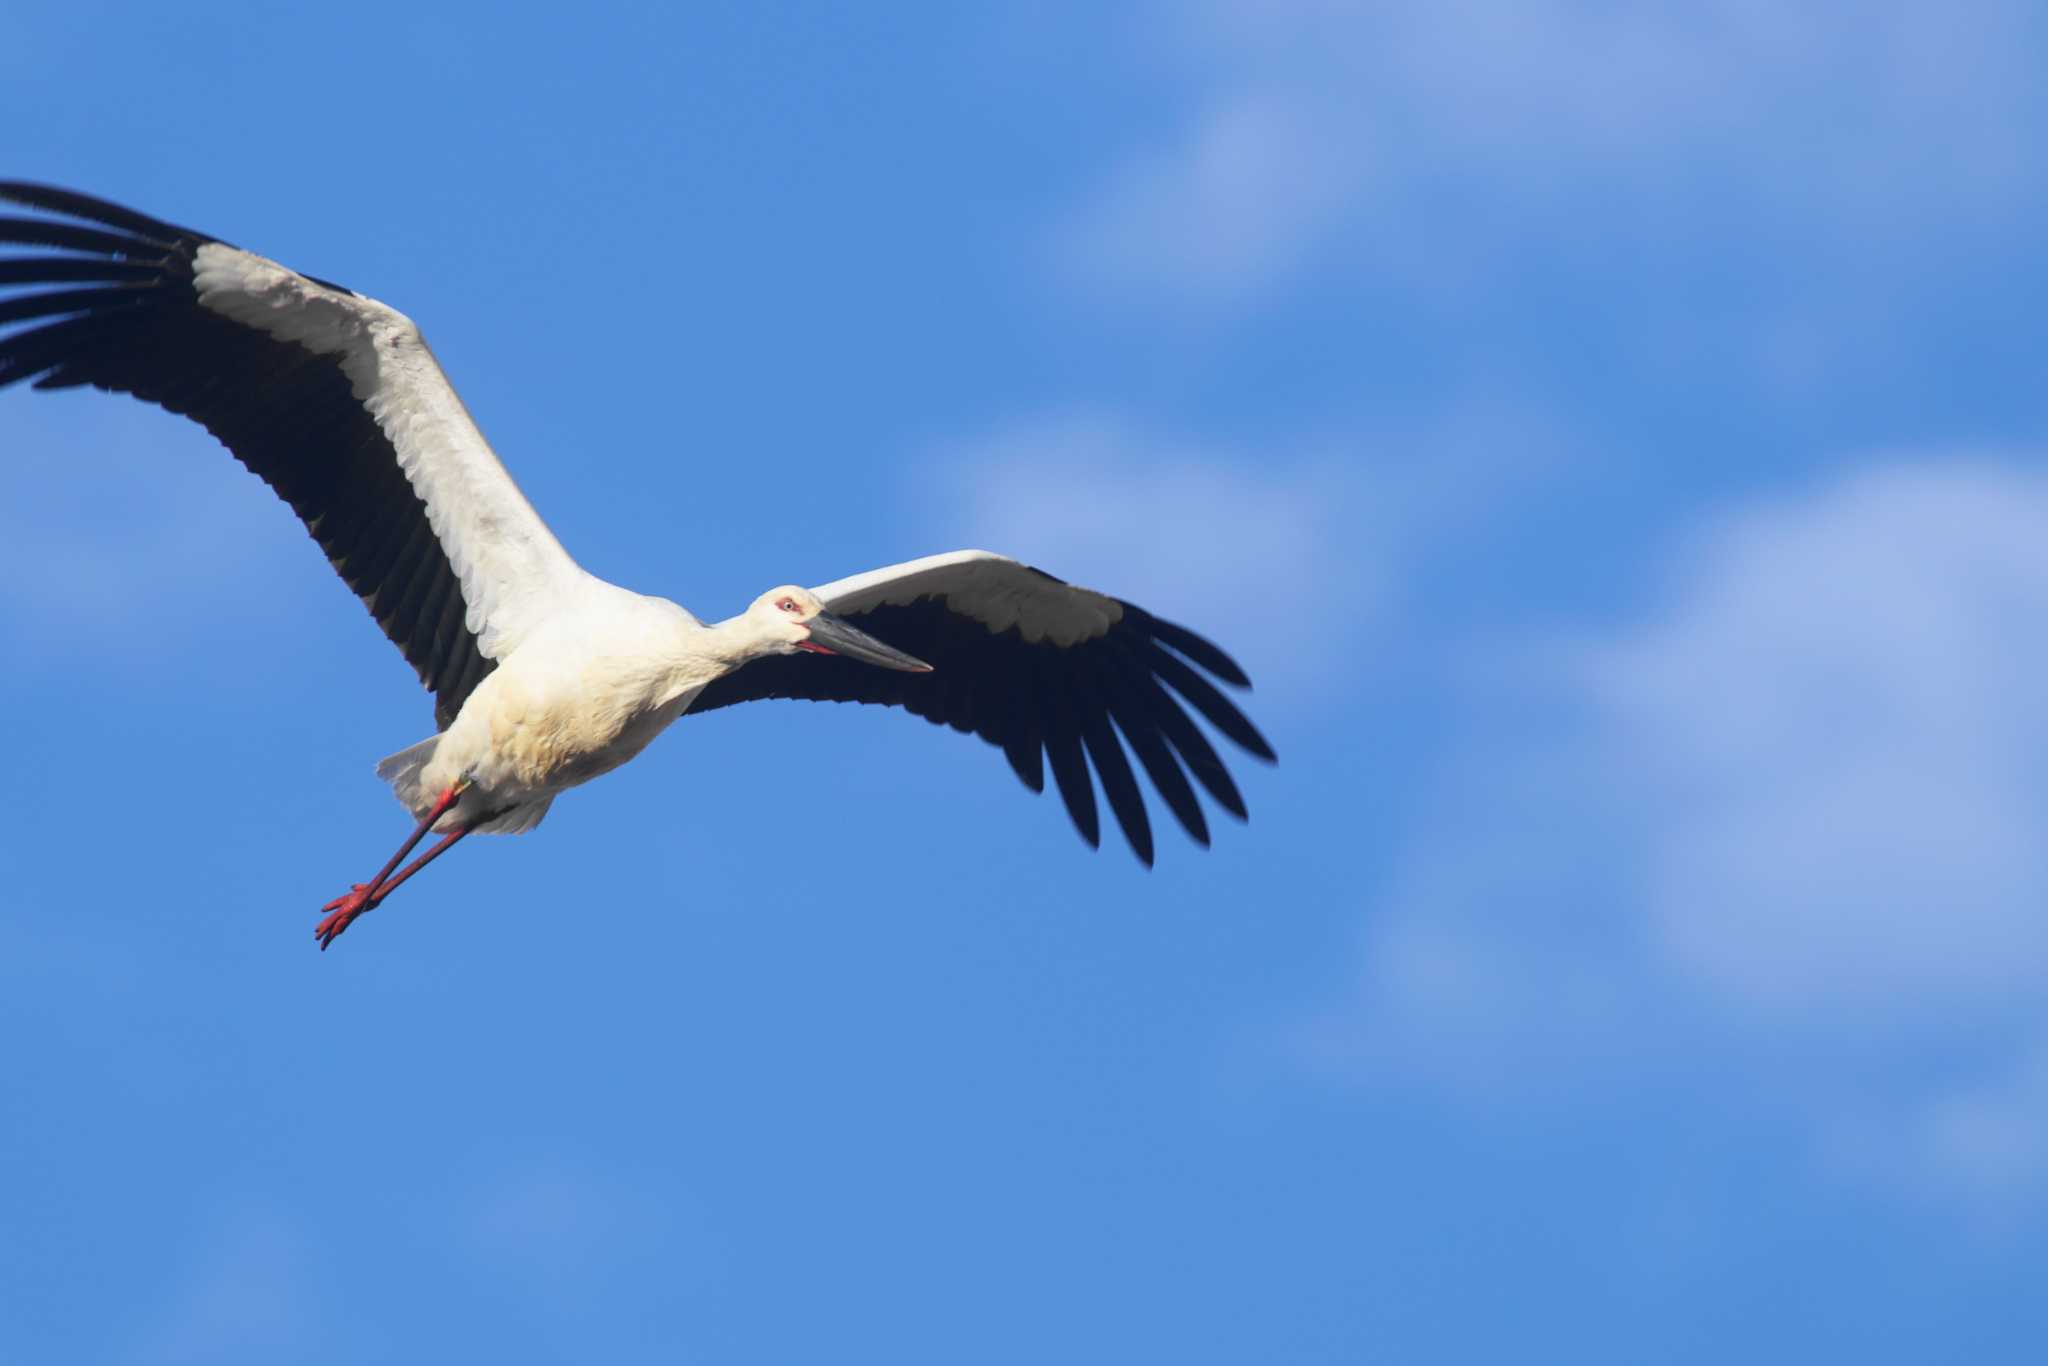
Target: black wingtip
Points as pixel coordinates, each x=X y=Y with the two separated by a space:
x=1070 y=773
x=73 y=204
x=1263 y=750
x=1026 y=754
x=1119 y=784
x=1217 y=709
x=1200 y=649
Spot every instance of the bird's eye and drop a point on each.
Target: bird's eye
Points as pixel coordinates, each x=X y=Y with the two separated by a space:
x=787 y=604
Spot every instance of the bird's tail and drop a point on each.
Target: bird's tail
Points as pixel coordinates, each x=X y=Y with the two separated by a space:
x=402 y=770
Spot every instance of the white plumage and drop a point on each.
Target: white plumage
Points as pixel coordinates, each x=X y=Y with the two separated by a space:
x=544 y=675
x=514 y=573
x=987 y=587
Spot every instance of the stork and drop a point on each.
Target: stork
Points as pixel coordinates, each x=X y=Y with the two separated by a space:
x=545 y=676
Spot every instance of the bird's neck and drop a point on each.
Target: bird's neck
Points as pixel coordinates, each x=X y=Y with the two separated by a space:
x=734 y=642
x=697 y=654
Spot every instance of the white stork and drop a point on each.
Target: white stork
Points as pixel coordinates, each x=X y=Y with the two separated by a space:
x=543 y=675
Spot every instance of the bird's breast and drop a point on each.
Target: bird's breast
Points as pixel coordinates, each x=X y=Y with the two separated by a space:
x=545 y=730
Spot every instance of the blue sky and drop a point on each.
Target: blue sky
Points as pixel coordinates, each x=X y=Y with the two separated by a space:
x=1612 y=440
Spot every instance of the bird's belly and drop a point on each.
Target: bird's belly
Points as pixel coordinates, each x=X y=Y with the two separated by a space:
x=535 y=742
x=567 y=765
x=548 y=752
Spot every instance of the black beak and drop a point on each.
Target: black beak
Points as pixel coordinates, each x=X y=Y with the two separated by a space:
x=831 y=635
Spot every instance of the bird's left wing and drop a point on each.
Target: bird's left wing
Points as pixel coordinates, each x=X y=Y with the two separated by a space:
x=1048 y=671
x=333 y=398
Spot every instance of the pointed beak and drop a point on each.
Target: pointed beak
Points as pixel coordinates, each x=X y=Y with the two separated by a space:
x=831 y=635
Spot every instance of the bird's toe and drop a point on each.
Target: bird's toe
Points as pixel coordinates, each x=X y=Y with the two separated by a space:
x=340 y=912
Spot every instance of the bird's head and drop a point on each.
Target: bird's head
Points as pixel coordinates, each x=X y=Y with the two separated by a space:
x=792 y=619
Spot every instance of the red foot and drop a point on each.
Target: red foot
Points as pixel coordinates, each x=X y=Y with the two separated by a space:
x=341 y=912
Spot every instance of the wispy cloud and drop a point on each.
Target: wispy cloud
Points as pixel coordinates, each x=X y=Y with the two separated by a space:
x=1310 y=130
x=1188 y=531
x=1842 y=709
x=1975 y=1139
x=1254 y=186
x=1786 y=832
x=1293 y=559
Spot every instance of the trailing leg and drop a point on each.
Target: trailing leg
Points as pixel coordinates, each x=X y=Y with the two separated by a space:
x=364 y=896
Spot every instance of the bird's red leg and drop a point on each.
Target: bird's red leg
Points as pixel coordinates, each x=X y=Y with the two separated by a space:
x=441 y=847
x=364 y=896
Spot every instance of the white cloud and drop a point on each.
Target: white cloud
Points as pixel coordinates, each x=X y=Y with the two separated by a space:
x=1835 y=743
x=1842 y=715
x=1978 y=1142
x=1292 y=559
x=1417 y=134
x=1788 y=834
x=1253 y=187
x=1250 y=555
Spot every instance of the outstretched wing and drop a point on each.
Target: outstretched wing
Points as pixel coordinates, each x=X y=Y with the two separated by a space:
x=1041 y=668
x=333 y=398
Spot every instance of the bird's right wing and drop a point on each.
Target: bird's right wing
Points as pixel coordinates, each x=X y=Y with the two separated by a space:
x=331 y=397
x=1047 y=670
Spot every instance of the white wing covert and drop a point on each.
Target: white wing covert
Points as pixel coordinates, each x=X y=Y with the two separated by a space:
x=332 y=398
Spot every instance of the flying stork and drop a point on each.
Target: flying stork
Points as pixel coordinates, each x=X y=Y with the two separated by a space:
x=545 y=676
